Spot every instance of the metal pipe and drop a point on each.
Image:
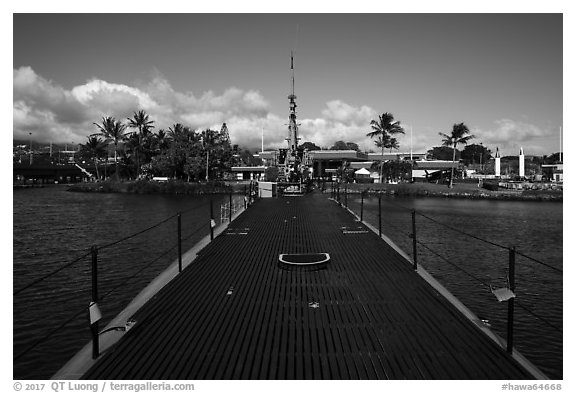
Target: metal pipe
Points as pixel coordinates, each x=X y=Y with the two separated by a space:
x=94 y=326
x=362 y=206
x=230 y=215
x=415 y=254
x=179 y=242
x=211 y=219
x=380 y=215
x=512 y=285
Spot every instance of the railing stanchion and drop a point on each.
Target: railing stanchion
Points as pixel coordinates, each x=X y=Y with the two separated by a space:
x=346 y=195
x=246 y=196
x=415 y=254
x=362 y=206
x=230 y=214
x=179 y=243
x=512 y=285
x=211 y=219
x=94 y=325
x=380 y=215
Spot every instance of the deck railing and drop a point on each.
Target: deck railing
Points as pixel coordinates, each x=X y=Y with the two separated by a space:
x=94 y=277
x=510 y=277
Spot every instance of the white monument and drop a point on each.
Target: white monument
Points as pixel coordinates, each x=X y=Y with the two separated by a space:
x=521 y=163
x=497 y=163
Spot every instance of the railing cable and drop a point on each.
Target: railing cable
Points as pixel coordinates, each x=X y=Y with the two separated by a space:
x=138 y=272
x=453 y=264
x=538 y=317
x=461 y=232
x=47 y=336
x=540 y=262
x=137 y=233
x=50 y=274
x=195 y=208
x=489 y=242
x=193 y=233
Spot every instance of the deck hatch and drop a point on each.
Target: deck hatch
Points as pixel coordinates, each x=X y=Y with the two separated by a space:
x=307 y=261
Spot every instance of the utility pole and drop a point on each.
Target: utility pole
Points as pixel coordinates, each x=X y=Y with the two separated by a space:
x=410 y=143
x=207 y=157
x=561 y=144
x=31 y=156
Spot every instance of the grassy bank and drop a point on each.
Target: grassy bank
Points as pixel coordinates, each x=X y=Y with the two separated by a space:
x=460 y=190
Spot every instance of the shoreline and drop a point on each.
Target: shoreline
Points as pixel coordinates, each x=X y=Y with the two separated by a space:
x=416 y=190
x=459 y=191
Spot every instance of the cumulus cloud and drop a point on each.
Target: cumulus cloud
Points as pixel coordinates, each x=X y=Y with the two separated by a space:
x=52 y=113
x=509 y=135
x=345 y=114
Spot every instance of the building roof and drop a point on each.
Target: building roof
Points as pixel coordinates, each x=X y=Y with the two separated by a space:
x=349 y=155
x=394 y=156
x=361 y=164
x=435 y=164
x=248 y=168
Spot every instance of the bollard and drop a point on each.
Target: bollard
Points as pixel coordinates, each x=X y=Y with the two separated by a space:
x=230 y=215
x=380 y=215
x=362 y=206
x=94 y=326
x=211 y=219
x=179 y=243
x=512 y=285
x=415 y=255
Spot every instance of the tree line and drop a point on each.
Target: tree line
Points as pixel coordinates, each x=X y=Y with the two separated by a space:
x=193 y=155
x=178 y=152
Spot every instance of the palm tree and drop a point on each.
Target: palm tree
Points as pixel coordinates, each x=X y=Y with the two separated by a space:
x=176 y=131
x=384 y=128
x=94 y=148
x=142 y=122
x=457 y=136
x=114 y=131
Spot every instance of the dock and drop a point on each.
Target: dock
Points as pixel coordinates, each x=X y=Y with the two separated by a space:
x=236 y=312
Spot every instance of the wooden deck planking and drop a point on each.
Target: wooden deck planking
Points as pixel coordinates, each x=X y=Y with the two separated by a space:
x=377 y=319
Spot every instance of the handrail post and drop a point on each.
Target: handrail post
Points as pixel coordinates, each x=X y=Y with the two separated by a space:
x=230 y=214
x=179 y=243
x=414 y=252
x=346 y=195
x=512 y=284
x=362 y=206
x=94 y=326
x=211 y=219
x=380 y=215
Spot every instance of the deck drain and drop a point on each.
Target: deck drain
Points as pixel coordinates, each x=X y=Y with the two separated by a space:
x=237 y=231
x=307 y=261
x=353 y=230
